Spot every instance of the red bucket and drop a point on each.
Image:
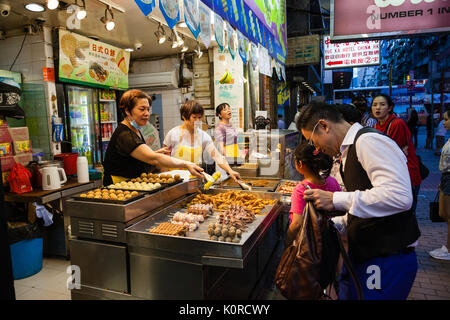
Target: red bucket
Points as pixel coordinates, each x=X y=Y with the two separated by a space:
x=70 y=162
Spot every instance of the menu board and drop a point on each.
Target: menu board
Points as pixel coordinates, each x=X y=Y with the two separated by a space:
x=86 y=61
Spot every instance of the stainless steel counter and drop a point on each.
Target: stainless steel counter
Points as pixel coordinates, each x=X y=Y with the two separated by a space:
x=194 y=267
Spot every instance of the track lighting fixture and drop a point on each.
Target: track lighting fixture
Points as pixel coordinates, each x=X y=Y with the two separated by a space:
x=81 y=14
x=198 y=51
x=52 y=4
x=160 y=34
x=109 y=23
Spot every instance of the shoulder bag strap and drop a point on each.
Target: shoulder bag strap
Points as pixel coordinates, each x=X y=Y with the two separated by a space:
x=389 y=126
x=348 y=263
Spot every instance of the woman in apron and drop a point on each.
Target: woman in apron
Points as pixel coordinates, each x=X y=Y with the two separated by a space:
x=225 y=134
x=127 y=155
x=190 y=143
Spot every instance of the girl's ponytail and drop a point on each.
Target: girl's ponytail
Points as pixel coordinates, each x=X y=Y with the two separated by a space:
x=319 y=163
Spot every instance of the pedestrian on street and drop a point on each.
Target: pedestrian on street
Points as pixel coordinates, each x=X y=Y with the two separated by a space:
x=444 y=193
x=366 y=120
x=413 y=125
x=396 y=128
x=382 y=230
x=429 y=141
x=440 y=137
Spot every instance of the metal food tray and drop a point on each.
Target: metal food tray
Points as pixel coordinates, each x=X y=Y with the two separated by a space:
x=196 y=244
x=281 y=184
x=285 y=198
x=138 y=190
x=231 y=184
x=140 y=195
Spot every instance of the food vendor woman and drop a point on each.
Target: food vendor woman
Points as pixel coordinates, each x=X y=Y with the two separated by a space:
x=188 y=141
x=127 y=155
x=225 y=134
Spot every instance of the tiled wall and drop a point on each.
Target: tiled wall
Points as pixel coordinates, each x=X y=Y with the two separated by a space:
x=29 y=63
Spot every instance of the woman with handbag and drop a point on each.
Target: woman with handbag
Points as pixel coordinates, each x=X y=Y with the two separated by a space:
x=397 y=130
x=444 y=196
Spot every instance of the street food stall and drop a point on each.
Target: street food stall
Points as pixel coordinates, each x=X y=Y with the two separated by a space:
x=177 y=242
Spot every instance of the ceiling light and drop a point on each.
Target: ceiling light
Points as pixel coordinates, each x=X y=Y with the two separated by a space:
x=34 y=7
x=160 y=34
x=81 y=13
x=109 y=23
x=129 y=49
x=198 y=51
x=52 y=4
x=182 y=24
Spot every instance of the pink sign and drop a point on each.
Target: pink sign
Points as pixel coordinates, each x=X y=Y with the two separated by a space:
x=370 y=18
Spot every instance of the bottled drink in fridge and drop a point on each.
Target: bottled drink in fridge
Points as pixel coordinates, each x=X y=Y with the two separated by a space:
x=74 y=137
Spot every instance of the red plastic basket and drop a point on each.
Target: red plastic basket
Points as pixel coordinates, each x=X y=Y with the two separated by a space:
x=70 y=162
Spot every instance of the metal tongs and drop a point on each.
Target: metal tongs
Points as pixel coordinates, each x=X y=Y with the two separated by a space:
x=208 y=177
x=244 y=186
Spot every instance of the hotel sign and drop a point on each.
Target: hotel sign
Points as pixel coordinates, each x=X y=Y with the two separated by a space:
x=363 y=19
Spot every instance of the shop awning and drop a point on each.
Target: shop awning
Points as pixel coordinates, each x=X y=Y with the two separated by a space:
x=261 y=22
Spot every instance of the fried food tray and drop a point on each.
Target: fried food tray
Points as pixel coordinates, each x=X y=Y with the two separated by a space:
x=198 y=242
x=140 y=195
x=269 y=187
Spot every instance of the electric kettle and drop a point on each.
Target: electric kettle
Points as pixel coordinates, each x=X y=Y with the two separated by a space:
x=52 y=178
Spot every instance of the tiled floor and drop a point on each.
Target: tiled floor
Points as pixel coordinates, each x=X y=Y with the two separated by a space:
x=48 y=284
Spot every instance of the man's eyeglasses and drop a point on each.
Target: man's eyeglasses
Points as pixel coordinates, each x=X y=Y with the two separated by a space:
x=311 y=143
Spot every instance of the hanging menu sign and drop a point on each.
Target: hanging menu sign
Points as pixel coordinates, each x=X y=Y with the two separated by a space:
x=86 y=61
x=350 y=54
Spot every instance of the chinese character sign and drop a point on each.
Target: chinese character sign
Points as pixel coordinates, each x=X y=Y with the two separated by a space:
x=350 y=54
x=83 y=60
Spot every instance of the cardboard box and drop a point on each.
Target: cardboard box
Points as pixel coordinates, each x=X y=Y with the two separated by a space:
x=23 y=159
x=19 y=133
x=6 y=149
x=7 y=163
x=22 y=146
x=5 y=176
x=5 y=136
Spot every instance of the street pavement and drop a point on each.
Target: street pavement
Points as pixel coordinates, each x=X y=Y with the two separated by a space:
x=433 y=276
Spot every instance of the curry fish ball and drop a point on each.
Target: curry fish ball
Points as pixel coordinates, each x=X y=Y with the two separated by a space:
x=177 y=177
x=113 y=196
x=134 y=193
x=126 y=192
x=128 y=196
x=83 y=195
x=144 y=175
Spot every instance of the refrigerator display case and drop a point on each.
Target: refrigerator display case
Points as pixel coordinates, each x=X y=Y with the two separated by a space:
x=82 y=114
x=108 y=118
x=90 y=120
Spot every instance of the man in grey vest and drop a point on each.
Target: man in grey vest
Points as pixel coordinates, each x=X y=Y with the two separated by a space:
x=381 y=228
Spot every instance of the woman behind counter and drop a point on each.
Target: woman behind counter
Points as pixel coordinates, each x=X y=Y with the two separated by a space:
x=127 y=155
x=225 y=134
x=187 y=142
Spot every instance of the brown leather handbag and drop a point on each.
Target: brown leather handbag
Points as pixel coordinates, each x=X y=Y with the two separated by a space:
x=309 y=264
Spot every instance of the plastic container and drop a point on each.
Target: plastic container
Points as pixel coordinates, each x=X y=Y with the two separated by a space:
x=70 y=162
x=82 y=170
x=26 y=257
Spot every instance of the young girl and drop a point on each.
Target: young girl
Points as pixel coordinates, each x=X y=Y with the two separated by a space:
x=309 y=163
